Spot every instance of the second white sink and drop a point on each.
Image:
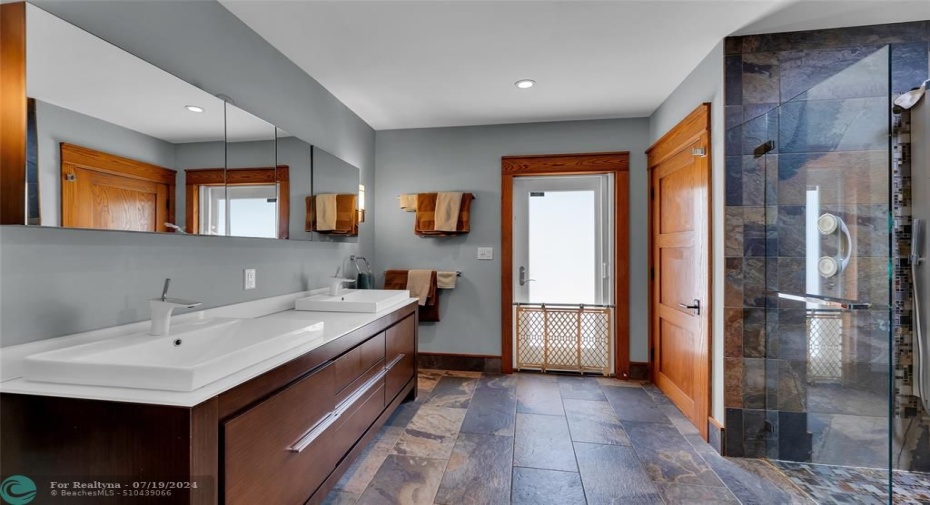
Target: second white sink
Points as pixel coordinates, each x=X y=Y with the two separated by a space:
x=354 y=300
x=192 y=355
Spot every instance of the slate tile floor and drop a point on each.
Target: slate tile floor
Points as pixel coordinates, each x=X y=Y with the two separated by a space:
x=473 y=438
x=843 y=484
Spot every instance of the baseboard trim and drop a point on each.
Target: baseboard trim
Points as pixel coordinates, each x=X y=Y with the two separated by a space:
x=461 y=362
x=716 y=435
x=639 y=371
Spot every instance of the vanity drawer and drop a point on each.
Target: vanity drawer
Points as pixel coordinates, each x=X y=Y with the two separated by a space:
x=400 y=341
x=400 y=338
x=353 y=364
x=357 y=418
x=397 y=376
x=261 y=461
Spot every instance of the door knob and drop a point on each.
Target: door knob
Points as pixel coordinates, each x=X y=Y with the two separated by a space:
x=523 y=279
x=696 y=305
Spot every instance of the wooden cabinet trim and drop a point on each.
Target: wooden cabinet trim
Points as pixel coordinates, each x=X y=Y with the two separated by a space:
x=13 y=113
x=259 y=388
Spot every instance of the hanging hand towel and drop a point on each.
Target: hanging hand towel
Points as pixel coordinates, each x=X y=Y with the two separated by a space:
x=418 y=283
x=408 y=202
x=325 y=212
x=446 y=280
x=448 y=206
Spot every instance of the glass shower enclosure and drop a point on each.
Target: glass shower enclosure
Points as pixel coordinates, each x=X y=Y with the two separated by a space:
x=816 y=213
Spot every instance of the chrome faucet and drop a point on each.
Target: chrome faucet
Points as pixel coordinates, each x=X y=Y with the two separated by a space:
x=335 y=285
x=161 y=310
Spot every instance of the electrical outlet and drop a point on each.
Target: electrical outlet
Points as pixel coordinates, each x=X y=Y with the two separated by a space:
x=485 y=253
x=249 y=278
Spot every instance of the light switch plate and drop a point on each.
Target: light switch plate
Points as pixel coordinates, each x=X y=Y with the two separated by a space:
x=249 y=278
x=485 y=253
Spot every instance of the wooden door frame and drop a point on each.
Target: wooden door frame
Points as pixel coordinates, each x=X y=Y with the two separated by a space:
x=616 y=163
x=194 y=178
x=692 y=128
x=98 y=161
x=13 y=113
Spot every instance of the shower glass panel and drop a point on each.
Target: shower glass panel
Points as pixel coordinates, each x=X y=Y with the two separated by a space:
x=815 y=202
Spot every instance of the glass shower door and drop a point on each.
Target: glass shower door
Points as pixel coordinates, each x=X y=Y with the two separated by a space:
x=816 y=213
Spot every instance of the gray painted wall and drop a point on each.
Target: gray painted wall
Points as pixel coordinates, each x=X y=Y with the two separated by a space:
x=54 y=282
x=468 y=159
x=55 y=125
x=705 y=84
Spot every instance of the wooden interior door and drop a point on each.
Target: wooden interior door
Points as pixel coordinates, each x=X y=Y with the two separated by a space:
x=106 y=201
x=107 y=192
x=681 y=261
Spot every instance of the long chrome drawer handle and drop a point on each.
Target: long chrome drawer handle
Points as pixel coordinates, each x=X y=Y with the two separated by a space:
x=344 y=406
x=394 y=362
x=314 y=432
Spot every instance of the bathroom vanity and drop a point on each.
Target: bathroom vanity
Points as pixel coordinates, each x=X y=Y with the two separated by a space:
x=283 y=436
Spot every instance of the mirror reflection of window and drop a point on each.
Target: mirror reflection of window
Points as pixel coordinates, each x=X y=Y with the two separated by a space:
x=212 y=210
x=253 y=211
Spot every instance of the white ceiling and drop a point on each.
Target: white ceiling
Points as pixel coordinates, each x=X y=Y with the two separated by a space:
x=73 y=69
x=412 y=64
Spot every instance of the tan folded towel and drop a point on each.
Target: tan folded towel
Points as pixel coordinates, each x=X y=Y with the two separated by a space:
x=448 y=206
x=446 y=280
x=425 y=223
x=418 y=283
x=408 y=202
x=326 y=212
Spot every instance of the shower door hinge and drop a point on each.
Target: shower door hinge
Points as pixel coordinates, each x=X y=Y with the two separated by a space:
x=768 y=431
x=764 y=149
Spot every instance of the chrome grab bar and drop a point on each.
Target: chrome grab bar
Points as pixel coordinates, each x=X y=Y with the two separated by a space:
x=827 y=301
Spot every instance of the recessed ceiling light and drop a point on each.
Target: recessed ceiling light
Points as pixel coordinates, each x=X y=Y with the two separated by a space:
x=525 y=83
x=193 y=108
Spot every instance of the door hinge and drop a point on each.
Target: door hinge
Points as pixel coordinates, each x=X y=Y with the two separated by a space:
x=70 y=177
x=652 y=193
x=652 y=273
x=167 y=204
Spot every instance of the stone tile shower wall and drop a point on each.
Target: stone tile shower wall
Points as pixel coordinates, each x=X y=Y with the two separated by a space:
x=786 y=87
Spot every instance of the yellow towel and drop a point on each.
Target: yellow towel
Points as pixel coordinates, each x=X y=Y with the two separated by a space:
x=326 y=212
x=446 y=280
x=418 y=284
x=408 y=202
x=448 y=206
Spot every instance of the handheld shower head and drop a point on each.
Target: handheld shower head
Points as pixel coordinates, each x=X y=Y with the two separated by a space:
x=917 y=237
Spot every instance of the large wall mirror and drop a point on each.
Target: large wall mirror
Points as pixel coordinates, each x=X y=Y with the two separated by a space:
x=107 y=132
x=337 y=205
x=116 y=143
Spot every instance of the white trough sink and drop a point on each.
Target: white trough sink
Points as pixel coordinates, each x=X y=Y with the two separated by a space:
x=192 y=355
x=354 y=300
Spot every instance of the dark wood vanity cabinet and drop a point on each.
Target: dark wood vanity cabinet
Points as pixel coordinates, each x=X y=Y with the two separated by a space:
x=284 y=437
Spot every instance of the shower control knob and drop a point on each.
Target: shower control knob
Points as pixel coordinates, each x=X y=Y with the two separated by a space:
x=828 y=267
